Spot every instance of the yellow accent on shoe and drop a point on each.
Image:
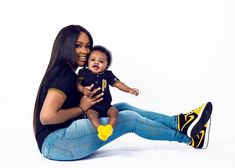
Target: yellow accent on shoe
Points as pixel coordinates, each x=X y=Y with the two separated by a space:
x=202 y=132
x=198 y=110
x=191 y=117
x=191 y=123
x=202 y=138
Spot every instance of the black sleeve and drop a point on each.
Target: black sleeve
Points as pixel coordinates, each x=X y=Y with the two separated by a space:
x=63 y=80
x=81 y=74
x=112 y=78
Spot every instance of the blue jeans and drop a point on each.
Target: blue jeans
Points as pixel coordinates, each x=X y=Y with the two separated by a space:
x=80 y=138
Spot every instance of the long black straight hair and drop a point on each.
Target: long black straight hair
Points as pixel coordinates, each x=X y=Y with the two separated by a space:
x=63 y=52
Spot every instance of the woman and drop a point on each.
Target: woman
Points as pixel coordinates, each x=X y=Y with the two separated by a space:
x=62 y=132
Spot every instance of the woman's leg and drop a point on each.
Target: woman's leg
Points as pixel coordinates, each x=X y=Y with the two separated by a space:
x=169 y=121
x=80 y=138
x=190 y=123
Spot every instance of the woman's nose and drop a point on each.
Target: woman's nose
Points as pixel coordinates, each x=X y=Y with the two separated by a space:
x=84 y=50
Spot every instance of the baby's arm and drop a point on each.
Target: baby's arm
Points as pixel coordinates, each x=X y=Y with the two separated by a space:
x=80 y=87
x=85 y=90
x=122 y=86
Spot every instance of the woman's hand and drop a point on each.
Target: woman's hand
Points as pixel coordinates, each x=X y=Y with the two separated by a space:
x=88 y=100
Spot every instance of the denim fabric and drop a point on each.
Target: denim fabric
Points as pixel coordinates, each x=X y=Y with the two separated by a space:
x=80 y=138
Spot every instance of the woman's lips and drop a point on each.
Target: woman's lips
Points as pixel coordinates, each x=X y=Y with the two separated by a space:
x=82 y=58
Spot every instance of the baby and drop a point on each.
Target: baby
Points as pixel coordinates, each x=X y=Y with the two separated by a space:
x=97 y=74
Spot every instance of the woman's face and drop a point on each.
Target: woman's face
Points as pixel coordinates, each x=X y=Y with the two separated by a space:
x=82 y=48
x=97 y=62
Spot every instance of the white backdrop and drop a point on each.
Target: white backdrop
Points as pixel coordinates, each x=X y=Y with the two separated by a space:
x=178 y=53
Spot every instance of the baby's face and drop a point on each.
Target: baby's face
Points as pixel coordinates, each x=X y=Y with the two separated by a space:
x=97 y=62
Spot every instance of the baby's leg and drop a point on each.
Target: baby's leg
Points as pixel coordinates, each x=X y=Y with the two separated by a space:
x=113 y=116
x=94 y=117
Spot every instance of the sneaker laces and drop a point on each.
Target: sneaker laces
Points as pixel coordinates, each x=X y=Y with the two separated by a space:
x=196 y=109
x=186 y=115
x=193 y=111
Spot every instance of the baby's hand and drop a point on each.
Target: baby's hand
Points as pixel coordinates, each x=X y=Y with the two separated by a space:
x=86 y=91
x=134 y=91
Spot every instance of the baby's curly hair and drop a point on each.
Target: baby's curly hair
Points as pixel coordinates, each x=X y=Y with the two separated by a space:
x=103 y=50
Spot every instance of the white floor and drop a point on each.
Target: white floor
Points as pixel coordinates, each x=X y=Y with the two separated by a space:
x=18 y=149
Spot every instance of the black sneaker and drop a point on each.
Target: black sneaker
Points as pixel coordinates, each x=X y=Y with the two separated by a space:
x=201 y=140
x=192 y=122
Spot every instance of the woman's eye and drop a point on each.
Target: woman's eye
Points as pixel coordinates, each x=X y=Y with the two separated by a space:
x=77 y=45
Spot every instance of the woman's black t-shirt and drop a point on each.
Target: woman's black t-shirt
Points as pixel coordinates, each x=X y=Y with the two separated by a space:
x=62 y=79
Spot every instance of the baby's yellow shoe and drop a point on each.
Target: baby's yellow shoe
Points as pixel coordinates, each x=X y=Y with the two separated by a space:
x=102 y=137
x=100 y=134
x=104 y=132
x=108 y=130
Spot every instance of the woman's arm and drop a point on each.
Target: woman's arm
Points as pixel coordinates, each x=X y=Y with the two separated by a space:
x=52 y=113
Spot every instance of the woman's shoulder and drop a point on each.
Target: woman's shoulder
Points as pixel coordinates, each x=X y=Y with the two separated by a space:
x=61 y=69
x=61 y=72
